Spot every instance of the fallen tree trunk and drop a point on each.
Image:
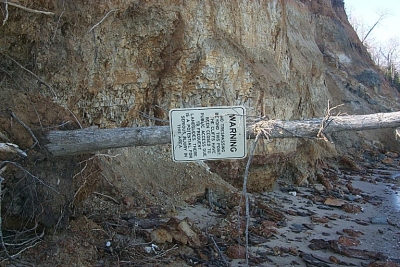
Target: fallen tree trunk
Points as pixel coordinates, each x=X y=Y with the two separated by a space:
x=63 y=143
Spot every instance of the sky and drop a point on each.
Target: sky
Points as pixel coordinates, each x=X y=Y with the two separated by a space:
x=367 y=11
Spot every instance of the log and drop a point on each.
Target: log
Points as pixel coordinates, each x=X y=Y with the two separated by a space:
x=64 y=143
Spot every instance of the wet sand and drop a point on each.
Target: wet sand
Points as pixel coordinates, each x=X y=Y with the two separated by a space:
x=355 y=224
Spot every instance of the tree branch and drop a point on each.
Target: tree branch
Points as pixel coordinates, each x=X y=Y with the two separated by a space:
x=26 y=9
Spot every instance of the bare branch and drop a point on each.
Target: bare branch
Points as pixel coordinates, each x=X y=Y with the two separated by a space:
x=30 y=72
x=105 y=16
x=27 y=128
x=58 y=21
x=246 y=176
x=151 y=117
x=30 y=174
x=27 y=9
x=219 y=251
x=382 y=16
x=106 y=196
x=11 y=148
x=326 y=121
x=6 y=12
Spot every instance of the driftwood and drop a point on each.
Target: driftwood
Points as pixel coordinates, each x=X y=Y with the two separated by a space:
x=63 y=143
x=9 y=148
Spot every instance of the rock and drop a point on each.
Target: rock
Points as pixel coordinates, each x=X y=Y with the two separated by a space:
x=144 y=223
x=297 y=228
x=353 y=233
x=395 y=176
x=361 y=222
x=161 y=236
x=310 y=226
x=265 y=229
x=392 y=154
x=192 y=235
x=293 y=251
x=388 y=161
x=350 y=208
x=360 y=253
x=291 y=212
x=325 y=181
x=309 y=259
x=319 y=187
x=379 y=220
x=236 y=252
x=324 y=207
x=304 y=214
x=318 y=219
x=383 y=264
x=348 y=241
x=369 y=78
x=180 y=237
x=352 y=197
x=348 y=162
x=391 y=222
x=318 y=244
x=352 y=190
x=334 y=260
x=334 y=202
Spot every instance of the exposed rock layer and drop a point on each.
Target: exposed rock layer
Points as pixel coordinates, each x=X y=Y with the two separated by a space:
x=111 y=62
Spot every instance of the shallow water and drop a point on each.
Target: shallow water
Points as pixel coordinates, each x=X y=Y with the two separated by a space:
x=387 y=191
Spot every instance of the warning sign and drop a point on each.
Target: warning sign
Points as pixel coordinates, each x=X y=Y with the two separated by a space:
x=208 y=133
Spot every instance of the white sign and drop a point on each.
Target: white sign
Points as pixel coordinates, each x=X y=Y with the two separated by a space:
x=208 y=133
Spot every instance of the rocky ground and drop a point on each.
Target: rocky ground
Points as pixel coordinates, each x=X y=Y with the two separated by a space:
x=349 y=217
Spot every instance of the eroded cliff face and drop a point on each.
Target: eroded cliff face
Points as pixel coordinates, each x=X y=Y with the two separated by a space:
x=110 y=62
x=150 y=58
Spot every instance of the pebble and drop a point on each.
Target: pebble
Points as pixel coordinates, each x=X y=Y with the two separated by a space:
x=310 y=226
x=297 y=228
x=324 y=207
x=379 y=220
x=319 y=187
x=351 y=197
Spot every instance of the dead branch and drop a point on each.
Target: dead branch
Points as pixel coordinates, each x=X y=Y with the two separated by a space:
x=58 y=21
x=11 y=148
x=151 y=117
x=73 y=115
x=219 y=251
x=23 y=245
x=6 y=12
x=326 y=121
x=106 y=196
x=6 y=2
x=3 y=246
x=27 y=128
x=244 y=192
x=30 y=174
x=31 y=73
x=43 y=82
x=105 y=16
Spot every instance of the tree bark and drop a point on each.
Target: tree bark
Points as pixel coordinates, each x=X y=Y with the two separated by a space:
x=63 y=143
